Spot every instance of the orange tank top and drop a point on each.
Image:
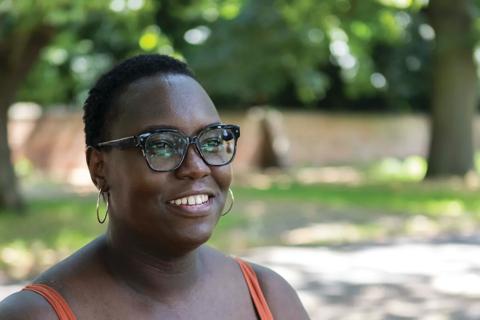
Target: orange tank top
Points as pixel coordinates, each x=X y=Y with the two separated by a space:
x=64 y=312
x=57 y=302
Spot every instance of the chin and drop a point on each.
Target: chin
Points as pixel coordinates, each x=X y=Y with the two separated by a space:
x=193 y=239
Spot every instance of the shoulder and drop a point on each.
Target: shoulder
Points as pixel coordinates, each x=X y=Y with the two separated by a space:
x=26 y=305
x=76 y=267
x=62 y=277
x=281 y=297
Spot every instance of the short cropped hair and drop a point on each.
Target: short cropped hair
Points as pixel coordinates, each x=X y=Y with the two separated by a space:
x=99 y=104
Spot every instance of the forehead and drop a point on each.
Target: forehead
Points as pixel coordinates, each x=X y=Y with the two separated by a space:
x=164 y=100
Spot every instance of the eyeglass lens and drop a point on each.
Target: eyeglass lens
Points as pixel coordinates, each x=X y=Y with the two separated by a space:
x=165 y=150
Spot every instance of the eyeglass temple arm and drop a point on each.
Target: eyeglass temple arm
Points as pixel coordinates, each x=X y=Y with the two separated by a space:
x=121 y=143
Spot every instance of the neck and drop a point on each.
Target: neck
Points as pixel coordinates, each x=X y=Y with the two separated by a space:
x=151 y=271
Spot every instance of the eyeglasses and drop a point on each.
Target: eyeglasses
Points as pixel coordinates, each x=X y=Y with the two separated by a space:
x=165 y=149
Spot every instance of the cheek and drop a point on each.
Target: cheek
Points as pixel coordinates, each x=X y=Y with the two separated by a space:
x=120 y=166
x=131 y=182
x=223 y=176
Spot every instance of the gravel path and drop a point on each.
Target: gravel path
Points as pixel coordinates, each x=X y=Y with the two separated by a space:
x=428 y=280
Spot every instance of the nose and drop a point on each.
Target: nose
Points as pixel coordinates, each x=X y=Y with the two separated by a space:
x=193 y=166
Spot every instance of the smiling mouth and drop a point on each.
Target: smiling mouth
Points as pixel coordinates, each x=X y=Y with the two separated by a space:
x=193 y=200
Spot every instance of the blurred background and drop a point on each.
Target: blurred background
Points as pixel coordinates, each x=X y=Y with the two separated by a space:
x=357 y=171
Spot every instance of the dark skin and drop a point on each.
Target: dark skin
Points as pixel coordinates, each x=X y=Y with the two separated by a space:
x=152 y=263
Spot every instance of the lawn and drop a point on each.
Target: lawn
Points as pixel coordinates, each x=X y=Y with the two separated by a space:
x=394 y=197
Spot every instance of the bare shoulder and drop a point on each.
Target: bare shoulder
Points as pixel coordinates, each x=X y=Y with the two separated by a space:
x=62 y=277
x=281 y=297
x=26 y=305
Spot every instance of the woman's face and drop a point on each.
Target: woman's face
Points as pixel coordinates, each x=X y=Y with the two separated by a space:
x=141 y=199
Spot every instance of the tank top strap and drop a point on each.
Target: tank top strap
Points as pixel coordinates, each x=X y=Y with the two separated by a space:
x=255 y=290
x=64 y=312
x=58 y=303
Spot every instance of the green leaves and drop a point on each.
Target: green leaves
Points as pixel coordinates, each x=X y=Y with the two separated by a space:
x=244 y=51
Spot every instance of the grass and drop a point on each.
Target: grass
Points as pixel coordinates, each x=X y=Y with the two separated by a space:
x=53 y=227
x=48 y=219
x=399 y=197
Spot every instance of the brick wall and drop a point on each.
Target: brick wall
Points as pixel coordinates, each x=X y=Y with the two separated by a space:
x=56 y=142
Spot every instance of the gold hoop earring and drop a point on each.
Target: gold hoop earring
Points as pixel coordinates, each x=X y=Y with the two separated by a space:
x=100 y=194
x=230 y=192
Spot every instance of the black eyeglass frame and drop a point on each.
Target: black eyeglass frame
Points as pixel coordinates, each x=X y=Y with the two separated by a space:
x=139 y=141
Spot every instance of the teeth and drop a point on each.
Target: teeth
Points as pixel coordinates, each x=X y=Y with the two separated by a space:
x=191 y=200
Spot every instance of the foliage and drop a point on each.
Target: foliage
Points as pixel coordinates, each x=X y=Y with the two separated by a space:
x=93 y=35
x=412 y=168
x=90 y=37
x=333 y=54
x=329 y=52
x=249 y=59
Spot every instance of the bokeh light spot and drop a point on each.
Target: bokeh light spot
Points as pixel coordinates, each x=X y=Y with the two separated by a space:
x=148 y=41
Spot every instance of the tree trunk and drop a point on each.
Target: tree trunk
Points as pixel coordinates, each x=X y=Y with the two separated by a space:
x=454 y=84
x=18 y=54
x=9 y=196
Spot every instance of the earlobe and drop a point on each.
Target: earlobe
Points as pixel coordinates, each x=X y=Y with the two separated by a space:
x=96 y=167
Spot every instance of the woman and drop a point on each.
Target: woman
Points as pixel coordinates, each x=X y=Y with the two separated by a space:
x=160 y=156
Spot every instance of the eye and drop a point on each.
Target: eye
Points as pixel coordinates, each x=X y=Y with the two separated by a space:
x=161 y=148
x=213 y=144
